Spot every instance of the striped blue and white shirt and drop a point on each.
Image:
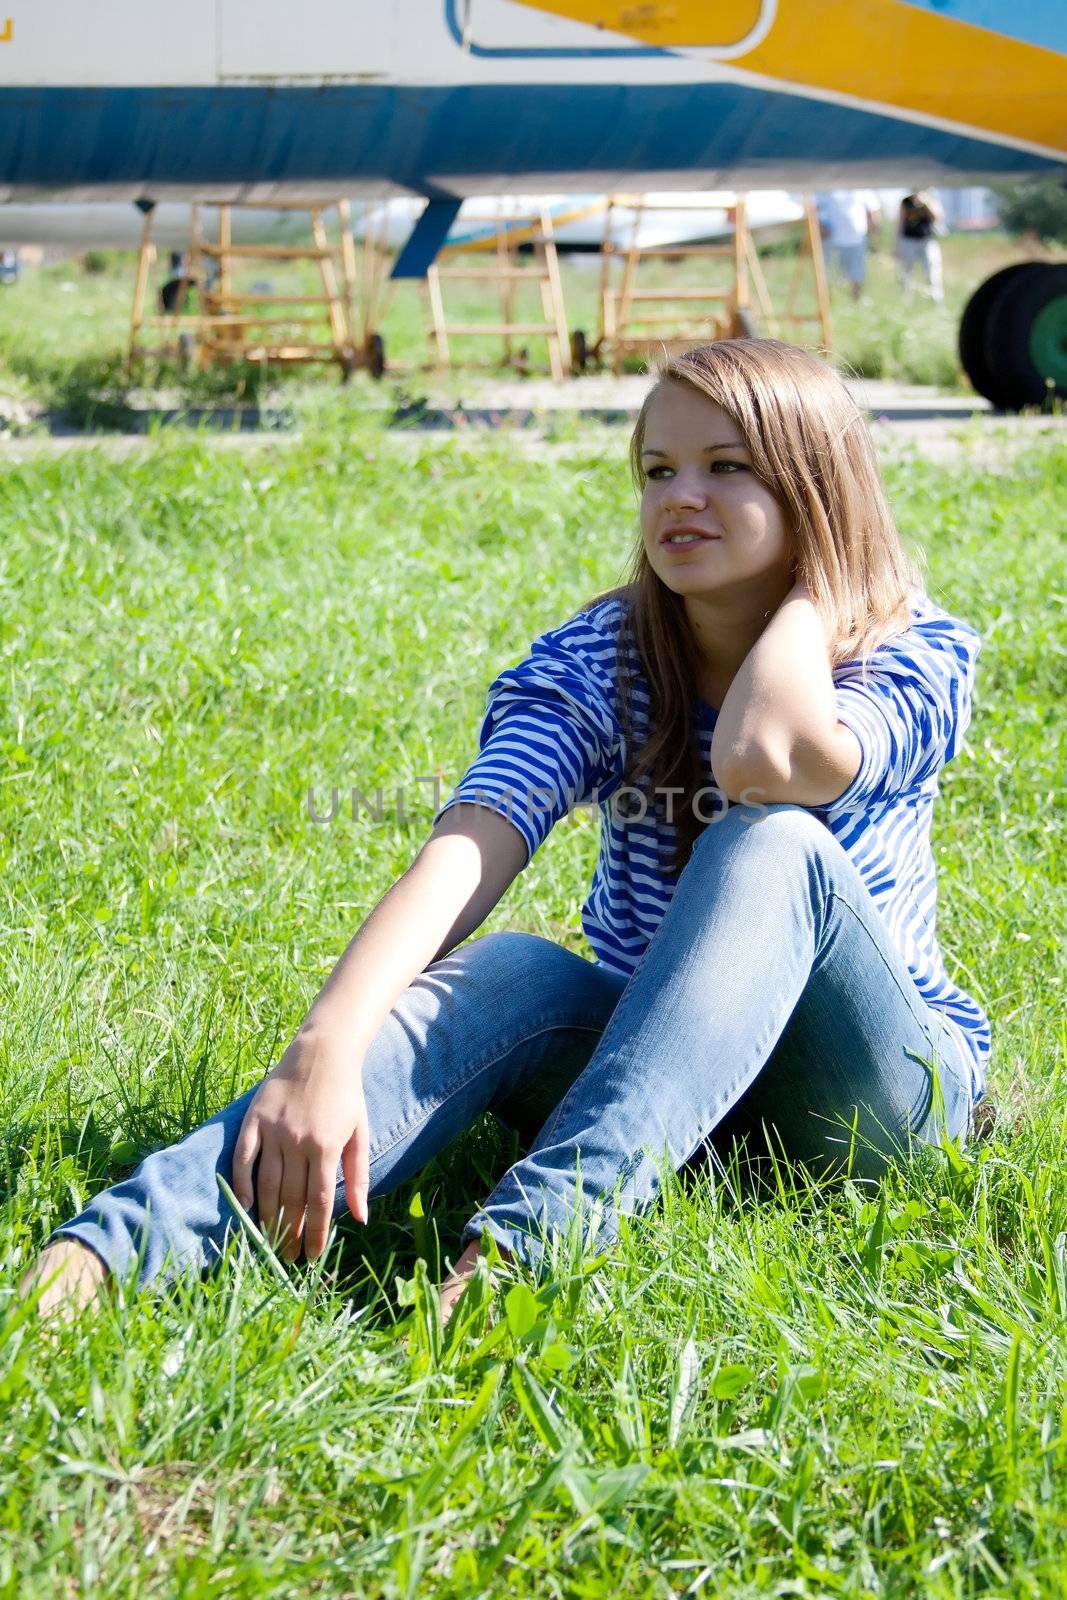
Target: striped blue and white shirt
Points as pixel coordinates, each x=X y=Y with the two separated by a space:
x=551 y=739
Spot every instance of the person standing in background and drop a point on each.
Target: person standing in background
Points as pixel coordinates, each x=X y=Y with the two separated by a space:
x=848 y=218
x=920 y=221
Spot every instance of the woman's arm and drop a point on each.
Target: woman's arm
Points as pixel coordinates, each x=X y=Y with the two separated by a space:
x=777 y=737
x=462 y=871
x=309 y=1113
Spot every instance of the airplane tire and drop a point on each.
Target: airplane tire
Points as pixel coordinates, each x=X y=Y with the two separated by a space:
x=974 y=356
x=1026 y=338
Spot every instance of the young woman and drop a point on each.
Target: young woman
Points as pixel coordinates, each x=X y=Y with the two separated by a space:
x=761 y=714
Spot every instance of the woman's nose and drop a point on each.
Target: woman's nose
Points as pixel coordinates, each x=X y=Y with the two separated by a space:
x=684 y=489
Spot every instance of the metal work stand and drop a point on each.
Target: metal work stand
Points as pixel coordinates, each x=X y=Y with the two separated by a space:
x=732 y=306
x=234 y=321
x=505 y=274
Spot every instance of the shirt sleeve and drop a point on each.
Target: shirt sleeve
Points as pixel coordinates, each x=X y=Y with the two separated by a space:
x=909 y=706
x=550 y=738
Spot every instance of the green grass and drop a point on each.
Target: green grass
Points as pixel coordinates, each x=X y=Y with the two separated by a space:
x=64 y=331
x=809 y=1394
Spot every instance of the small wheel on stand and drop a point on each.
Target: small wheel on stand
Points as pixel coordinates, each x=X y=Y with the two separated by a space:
x=579 y=351
x=374 y=355
x=174 y=295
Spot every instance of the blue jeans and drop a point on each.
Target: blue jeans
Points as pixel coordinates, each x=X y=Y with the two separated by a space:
x=770 y=994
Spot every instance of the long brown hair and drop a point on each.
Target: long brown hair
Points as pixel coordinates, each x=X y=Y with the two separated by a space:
x=808 y=442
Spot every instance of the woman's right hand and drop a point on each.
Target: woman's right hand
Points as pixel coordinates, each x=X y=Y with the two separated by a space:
x=308 y=1114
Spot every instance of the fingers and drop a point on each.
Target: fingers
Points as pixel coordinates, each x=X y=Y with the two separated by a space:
x=290 y=1175
x=282 y=1195
x=244 y=1155
x=268 y=1186
x=322 y=1187
x=294 y=1191
x=356 y=1165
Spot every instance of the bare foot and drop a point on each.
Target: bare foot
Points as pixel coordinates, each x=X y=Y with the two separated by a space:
x=453 y=1286
x=72 y=1276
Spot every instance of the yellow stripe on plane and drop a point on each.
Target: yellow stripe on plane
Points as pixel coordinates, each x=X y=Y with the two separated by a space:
x=879 y=51
x=519 y=233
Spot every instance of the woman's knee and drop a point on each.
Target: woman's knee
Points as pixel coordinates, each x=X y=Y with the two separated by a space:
x=506 y=953
x=772 y=834
x=487 y=978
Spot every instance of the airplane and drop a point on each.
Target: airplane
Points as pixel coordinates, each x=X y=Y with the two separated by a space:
x=447 y=99
x=578 y=220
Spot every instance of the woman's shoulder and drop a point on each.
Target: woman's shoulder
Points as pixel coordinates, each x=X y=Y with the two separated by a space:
x=932 y=627
x=607 y=611
x=593 y=632
x=931 y=633
x=573 y=665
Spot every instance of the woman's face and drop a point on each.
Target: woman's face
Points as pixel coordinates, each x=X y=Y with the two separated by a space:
x=711 y=528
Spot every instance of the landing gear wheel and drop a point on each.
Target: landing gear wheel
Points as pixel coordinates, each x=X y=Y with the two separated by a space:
x=579 y=350
x=374 y=354
x=976 y=315
x=1025 y=339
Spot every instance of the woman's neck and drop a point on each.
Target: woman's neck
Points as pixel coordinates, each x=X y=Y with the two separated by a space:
x=724 y=632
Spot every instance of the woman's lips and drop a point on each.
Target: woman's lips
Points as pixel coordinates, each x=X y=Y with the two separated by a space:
x=696 y=538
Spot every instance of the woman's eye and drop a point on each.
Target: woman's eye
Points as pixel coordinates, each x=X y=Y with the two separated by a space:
x=655 y=474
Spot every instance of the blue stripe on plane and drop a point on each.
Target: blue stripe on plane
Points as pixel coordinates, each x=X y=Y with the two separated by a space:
x=421 y=137
x=426 y=238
